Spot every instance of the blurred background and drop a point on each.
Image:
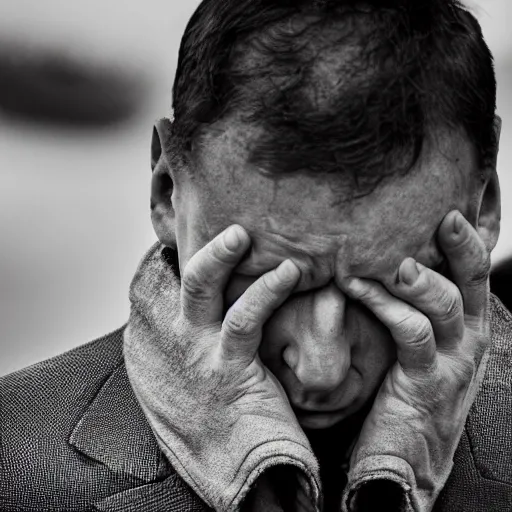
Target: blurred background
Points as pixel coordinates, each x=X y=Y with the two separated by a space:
x=74 y=180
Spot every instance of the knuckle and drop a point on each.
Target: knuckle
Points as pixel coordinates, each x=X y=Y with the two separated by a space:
x=423 y=327
x=368 y=295
x=417 y=329
x=452 y=305
x=193 y=285
x=195 y=297
x=423 y=332
x=240 y=324
x=482 y=270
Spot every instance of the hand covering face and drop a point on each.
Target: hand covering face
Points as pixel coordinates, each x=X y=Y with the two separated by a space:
x=218 y=414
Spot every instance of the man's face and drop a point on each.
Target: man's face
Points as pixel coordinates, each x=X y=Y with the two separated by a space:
x=329 y=353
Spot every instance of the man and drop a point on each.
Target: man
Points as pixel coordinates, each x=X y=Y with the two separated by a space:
x=314 y=329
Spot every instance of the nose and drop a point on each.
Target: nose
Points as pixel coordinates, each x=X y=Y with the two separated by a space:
x=320 y=354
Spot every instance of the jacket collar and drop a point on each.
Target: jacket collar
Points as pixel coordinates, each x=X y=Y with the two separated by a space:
x=171 y=495
x=114 y=431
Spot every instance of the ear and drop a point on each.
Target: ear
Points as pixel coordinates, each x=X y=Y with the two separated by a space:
x=489 y=211
x=163 y=214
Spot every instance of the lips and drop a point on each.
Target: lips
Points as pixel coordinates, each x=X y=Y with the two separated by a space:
x=320 y=420
x=326 y=414
x=319 y=410
x=337 y=402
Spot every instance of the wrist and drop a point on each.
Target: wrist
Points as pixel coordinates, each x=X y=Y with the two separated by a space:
x=282 y=471
x=418 y=494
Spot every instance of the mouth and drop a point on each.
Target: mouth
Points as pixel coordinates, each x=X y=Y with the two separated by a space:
x=319 y=419
x=304 y=410
x=338 y=406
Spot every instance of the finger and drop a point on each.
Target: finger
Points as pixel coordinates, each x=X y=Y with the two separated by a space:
x=469 y=262
x=434 y=296
x=207 y=272
x=242 y=327
x=411 y=330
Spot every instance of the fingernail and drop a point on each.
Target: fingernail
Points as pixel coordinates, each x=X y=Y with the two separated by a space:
x=420 y=267
x=232 y=238
x=458 y=223
x=409 y=271
x=287 y=271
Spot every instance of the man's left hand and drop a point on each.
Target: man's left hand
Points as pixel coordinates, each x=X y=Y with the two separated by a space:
x=442 y=330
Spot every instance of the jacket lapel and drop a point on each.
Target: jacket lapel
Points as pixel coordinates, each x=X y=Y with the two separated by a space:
x=114 y=431
x=170 y=495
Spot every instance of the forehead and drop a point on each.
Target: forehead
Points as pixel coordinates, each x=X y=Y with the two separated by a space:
x=321 y=222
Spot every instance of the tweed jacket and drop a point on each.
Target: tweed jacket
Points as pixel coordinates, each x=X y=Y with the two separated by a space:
x=73 y=438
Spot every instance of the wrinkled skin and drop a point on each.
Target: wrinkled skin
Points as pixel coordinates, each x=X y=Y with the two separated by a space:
x=329 y=352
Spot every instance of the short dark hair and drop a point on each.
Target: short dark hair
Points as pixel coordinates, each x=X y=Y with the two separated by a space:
x=413 y=66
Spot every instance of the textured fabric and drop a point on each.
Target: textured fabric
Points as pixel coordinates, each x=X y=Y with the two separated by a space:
x=219 y=451
x=481 y=479
x=73 y=438
x=132 y=443
x=170 y=495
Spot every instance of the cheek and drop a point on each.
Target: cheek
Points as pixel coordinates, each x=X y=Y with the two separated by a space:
x=278 y=332
x=373 y=349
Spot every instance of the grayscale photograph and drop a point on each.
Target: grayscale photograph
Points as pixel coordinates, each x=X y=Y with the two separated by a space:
x=256 y=256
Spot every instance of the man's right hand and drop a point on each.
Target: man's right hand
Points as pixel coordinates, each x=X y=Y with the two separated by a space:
x=217 y=359
x=216 y=410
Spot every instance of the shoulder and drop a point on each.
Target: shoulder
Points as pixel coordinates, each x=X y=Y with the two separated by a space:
x=489 y=423
x=55 y=385
x=39 y=408
x=482 y=473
